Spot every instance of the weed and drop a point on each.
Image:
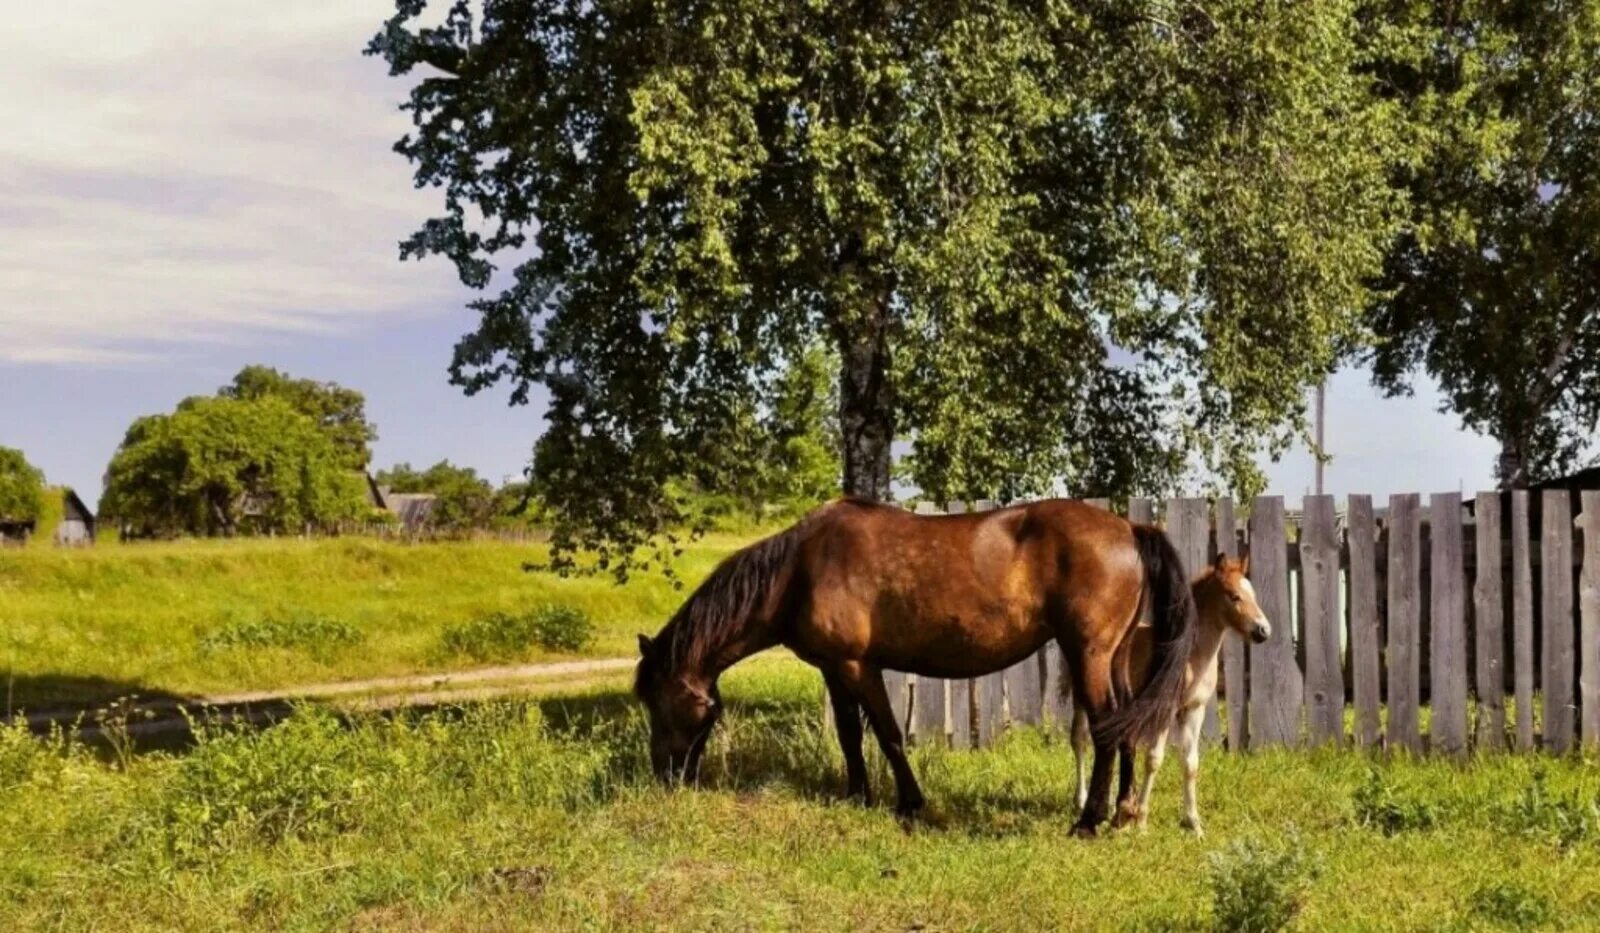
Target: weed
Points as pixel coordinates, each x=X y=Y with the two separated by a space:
x=1256 y=887
x=1563 y=819
x=1510 y=903
x=1383 y=805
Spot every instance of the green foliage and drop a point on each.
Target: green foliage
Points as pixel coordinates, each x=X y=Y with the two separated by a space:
x=1512 y=904
x=1257 y=887
x=339 y=412
x=464 y=500
x=223 y=466
x=1492 y=291
x=21 y=487
x=304 y=630
x=1095 y=244
x=1382 y=805
x=500 y=636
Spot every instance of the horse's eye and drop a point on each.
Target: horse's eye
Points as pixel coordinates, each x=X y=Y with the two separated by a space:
x=1236 y=597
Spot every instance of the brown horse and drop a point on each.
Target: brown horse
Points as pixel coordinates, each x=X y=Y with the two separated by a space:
x=856 y=588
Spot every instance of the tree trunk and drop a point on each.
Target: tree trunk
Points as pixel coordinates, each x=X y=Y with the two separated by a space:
x=866 y=410
x=1512 y=469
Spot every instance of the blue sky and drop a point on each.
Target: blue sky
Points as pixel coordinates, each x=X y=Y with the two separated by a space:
x=196 y=185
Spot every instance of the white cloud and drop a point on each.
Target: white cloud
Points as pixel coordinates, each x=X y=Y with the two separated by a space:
x=187 y=172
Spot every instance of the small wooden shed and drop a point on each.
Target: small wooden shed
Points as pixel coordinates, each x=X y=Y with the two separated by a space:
x=77 y=522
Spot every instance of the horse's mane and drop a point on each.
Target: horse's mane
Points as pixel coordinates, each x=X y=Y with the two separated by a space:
x=715 y=612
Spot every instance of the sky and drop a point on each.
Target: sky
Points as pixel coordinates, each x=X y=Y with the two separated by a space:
x=189 y=187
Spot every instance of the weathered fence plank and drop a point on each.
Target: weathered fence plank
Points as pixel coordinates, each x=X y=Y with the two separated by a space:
x=1321 y=621
x=1234 y=684
x=988 y=699
x=898 y=686
x=1522 y=618
x=1024 y=690
x=1489 y=623
x=1447 y=657
x=1405 y=613
x=1275 y=683
x=960 y=694
x=1099 y=503
x=1555 y=621
x=928 y=711
x=1589 y=623
x=1057 y=705
x=1366 y=645
x=1141 y=511
x=1189 y=527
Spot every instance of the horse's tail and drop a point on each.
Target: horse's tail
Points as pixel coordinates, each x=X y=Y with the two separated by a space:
x=1152 y=709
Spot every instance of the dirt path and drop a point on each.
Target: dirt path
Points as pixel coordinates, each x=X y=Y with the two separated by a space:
x=165 y=715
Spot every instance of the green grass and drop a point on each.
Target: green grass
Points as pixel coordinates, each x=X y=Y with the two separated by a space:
x=203 y=617
x=540 y=815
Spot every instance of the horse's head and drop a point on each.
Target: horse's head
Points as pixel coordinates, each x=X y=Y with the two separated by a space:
x=1235 y=599
x=682 y=713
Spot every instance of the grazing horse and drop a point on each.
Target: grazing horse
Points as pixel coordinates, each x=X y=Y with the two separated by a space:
x=1226 y=601
x=856 y=588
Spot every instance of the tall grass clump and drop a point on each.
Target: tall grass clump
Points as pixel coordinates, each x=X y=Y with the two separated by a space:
x=1510 y=904
x=1257 y=887
x=502 y=636
x=1564 y=819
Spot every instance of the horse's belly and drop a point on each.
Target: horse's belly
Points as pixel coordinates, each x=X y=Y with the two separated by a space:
x=959 y=647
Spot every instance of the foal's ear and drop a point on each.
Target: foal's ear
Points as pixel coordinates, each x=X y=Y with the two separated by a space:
x=1220 y=562
x=644 y=646
x=1244 y=564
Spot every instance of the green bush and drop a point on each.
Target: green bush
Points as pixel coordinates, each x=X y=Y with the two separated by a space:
x=1383 y=805
x=1257 y=888
x=504 y=636
x=303 y=630
x=1510 y=903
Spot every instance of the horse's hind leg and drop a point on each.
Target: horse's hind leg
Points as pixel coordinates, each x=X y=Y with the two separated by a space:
x=847 y=721
x=1080 y=753
x=1093 y=692
x=874 y=697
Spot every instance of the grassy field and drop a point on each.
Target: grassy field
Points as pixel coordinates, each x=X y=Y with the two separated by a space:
x=540 y=815
x=84 y=626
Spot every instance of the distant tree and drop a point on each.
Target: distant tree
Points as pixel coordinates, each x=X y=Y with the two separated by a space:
x=341 y=413
x=465 y=500
x=221 y=466
x=21 y=487
x=1494 y=290
x=515 y=504
x=973 y=205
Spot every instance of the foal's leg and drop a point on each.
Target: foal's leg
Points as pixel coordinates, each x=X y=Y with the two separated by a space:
x=875 y=698
x=847 y=720
x=1189 y=744
x=1153 y=757
x=1080 y=753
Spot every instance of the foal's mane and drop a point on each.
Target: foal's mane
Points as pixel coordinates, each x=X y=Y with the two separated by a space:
x=718 y=609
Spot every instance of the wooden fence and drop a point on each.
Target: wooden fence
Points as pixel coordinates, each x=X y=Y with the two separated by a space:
x=1375 y=613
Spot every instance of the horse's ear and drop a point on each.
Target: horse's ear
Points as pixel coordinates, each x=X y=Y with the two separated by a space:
x=645 y=647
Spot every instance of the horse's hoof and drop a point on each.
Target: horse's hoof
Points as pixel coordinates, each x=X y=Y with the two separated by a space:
x=909 y=809
x=1085 y=831
x=1194 y=827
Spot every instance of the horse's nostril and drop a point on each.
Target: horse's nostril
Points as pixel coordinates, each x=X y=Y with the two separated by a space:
x=1260 y=633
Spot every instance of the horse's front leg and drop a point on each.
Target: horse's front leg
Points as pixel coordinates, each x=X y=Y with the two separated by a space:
x=1127 y=803
x=875 y=699
x=847 y=722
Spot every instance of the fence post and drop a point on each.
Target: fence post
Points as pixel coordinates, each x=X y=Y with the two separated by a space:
x=898 y=686
x=1589 y=632
x=1556 y=622
x=928 y=699
x=1189 y=528
x=1447 y=656
x=1275 y=682
x=1321 y=621
x=1405 y=643
x=1488 y=612
x=1522 y=617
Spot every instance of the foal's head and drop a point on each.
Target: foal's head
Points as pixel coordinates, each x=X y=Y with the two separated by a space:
x=682 y=712
x=1226 y=597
